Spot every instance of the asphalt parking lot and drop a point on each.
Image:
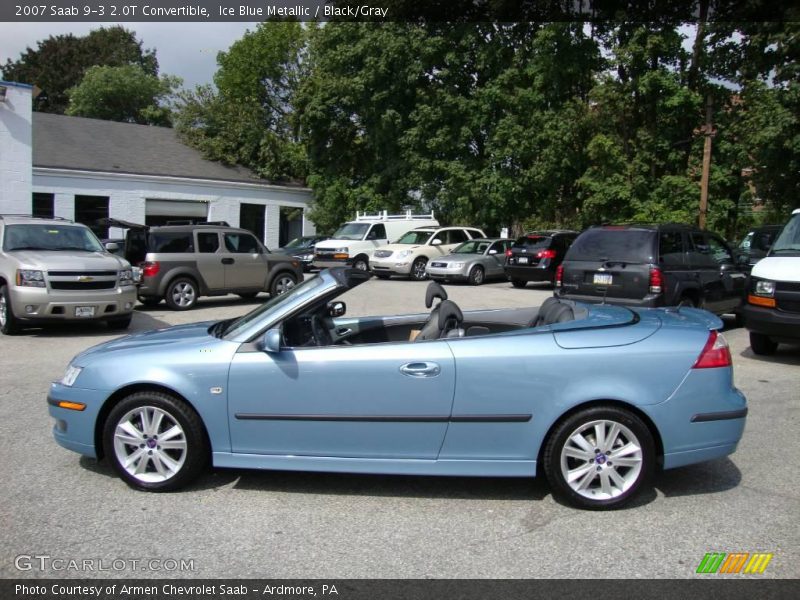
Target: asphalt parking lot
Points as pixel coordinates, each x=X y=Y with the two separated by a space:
x=299 y=525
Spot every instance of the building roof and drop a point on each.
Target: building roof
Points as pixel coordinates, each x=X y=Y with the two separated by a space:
x=81 y=144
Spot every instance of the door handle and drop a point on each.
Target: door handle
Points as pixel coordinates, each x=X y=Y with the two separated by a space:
x=421 y=369
x=228 y=261
x=343 y=331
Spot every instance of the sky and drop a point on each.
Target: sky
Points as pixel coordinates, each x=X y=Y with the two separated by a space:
x=188 y=50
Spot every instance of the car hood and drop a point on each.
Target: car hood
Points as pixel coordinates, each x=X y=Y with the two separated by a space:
x=69 y=260
x=149 y=342
x=399 y=247
x=779 y=268
x=458 y=257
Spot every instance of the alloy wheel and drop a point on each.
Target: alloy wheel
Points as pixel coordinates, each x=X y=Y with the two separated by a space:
x=150 y=444
x=183 y=294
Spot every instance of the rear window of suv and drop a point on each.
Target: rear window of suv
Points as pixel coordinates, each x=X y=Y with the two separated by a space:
x=533 y=242
x=627 y=245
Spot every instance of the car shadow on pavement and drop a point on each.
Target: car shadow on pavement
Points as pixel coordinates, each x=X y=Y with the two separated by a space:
x=141 y=322
x=208 y=302
x=710 y=477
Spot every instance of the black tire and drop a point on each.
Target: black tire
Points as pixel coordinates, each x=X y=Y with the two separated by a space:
x=283 y=282
x=518 y=283
x=149 y=300
x=688 y=301
x=9 y=324
x=248 y=295
x=418 y=269
x=120 y=323
x=633 y=478
x=380 y=275
x=476 y=275
x=188 y=462
x=361 y=263
x=762 y=344
x=181 y=294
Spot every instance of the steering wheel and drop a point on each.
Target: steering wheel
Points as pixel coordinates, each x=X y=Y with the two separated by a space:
x=322 y=335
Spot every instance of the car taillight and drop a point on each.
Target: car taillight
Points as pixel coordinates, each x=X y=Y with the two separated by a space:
x=656 y=281
x=559 y=275
x=150 y=269
x=546 y=254
x=508 y=252
x=715 y=353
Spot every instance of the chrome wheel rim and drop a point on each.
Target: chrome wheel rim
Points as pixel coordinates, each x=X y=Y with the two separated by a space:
x=150 y=444
x=183 y=294
x=601 y=460
x=284 y=284
x=3 y=311
x=360 y=265
x=478 y=276
x=419 y=270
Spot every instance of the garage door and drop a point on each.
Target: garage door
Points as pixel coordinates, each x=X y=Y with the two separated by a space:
x=159 y=212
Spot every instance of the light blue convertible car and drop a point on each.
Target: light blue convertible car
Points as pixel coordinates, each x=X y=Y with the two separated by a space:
x=596 y=397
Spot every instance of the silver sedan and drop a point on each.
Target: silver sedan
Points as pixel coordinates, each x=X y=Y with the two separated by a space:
x=474 y=261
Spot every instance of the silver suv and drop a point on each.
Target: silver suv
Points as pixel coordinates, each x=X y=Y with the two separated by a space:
x=180 y=263
x=56 y=270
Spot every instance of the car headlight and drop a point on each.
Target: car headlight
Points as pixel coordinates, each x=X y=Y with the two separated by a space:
x=307 y=257
x=70 y=375
x=456 y=265
x=126 y=277
x=765 y=287
x=343 y=250
x=29 y=278
x=402 y=254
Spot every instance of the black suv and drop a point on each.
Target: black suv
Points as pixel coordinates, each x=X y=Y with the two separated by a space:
x=180 y=263
x=652 y=265
x=536 y=255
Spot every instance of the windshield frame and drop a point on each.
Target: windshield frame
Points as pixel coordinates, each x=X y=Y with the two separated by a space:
x=788 y=242
x=414 y=232
x=344 y=232
x=92 y=244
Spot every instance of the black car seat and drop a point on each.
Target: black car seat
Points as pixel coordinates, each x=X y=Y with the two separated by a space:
x=430 y=329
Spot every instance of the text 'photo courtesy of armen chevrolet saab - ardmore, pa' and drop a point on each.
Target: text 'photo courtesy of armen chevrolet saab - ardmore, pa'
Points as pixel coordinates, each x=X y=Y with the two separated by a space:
x=356 y=305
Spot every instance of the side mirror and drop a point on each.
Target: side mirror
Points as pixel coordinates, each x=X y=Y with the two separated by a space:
x=492 y=251
x=271 y=342
x=336 y=309
x=112 y=246
x=436 y=242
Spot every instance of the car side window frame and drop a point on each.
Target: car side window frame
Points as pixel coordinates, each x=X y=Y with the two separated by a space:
x=198 y=245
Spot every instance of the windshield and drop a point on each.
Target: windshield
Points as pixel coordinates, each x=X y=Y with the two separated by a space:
x=415 y=237
x=473 y=247
x=351 y=231
x=51 y=237
x=788 y=242
x=299 y=242
x=234 y=327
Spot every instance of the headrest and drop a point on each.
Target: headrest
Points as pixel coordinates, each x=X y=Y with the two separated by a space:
x=449 y=310
x=434 y=291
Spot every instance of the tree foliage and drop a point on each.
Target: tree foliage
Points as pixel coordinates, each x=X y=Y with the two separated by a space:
x=126 y=93
x=60 y=62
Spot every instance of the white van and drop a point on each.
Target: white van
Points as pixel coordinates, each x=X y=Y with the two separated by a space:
x=354 y=242
x=772 y=310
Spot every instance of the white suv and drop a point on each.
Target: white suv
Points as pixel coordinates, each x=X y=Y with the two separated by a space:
x=410 y=254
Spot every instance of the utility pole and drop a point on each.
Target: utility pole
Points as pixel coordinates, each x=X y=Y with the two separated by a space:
x=708 y=131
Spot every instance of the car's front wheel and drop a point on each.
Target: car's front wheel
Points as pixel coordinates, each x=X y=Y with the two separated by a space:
x=9 y=324
x=120 y=323
x=476 y=275
x=282 y=284
x=361 y=263
x=762 y=344
x=155 y=442
x=418 y=271
x=599 y=457
x=181 y=294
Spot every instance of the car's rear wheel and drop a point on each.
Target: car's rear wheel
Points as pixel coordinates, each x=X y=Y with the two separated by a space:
x=119 y=323
x=518 y=283
x=380 y=275
x=155 y=442
x=599 y=457
x=181 y=294
x=9 y=324
x=762 y=344
x=688 y=301
x=476 y=275
x=418 y=269
x=282 y=283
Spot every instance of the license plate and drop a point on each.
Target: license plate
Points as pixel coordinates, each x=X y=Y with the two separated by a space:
x=84 y=311
x=523 y=260
x=602 y=278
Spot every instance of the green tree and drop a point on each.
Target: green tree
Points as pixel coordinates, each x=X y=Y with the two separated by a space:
x=59 y=63
x=125 y=94
x=249 y=119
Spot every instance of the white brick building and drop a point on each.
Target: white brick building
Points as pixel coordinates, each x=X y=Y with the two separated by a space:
x=86 y=169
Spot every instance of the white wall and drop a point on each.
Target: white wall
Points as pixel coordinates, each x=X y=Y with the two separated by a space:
x=127 y=195
x=15 y=149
